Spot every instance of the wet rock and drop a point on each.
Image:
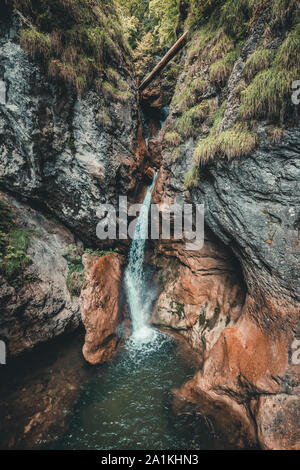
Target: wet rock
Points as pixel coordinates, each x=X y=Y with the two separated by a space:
x=100 y=306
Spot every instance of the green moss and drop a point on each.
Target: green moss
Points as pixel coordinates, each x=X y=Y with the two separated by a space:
x=178 y=309
x=76 y=272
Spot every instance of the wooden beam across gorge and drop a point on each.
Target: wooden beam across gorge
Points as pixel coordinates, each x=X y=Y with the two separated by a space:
x=164 y=61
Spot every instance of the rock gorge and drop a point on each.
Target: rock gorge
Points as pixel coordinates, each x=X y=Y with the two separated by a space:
x=236 y=301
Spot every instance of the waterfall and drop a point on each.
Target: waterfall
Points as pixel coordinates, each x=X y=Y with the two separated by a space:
x=139 y=299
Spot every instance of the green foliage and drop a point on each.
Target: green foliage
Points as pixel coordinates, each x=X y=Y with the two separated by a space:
x=166 y=15
x=36 y=43
x=289 y=52
x=268 y=94
x=15 y=258
x=191 y=93
x=232 y=15
x=218 y=118
x=144 y=54
x=14 y=244
x=76 y=272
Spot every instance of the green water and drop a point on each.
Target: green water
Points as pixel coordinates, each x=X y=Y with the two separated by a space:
x=127 y=405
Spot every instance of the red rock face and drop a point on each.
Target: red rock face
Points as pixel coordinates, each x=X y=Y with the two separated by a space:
x=200 y=293
x=100 y=306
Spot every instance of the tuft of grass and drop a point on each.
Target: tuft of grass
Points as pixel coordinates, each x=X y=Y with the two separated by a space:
x=176 y=153
x=260 y=59
x=191 y=178
x=191 y=93
x=111 y=92
x=222 y=45
x=289 y=51
x=275 y=135
x=104 y=117
x=187 y=124
x=36 y=43
x=219 y=71
x=268 y=94
x=282 y=11
x=218 y=118
x=173 y=138
x=229 y=144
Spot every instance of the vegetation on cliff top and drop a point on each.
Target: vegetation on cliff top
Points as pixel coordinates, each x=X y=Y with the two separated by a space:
x=264 y=89
x=78 y=42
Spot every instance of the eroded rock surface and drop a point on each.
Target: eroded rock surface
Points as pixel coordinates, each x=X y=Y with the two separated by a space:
x=41 y=308
x=100 y=306
x=57 y=148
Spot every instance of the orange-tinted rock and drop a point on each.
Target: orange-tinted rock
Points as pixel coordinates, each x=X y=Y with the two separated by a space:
x=149 y=174
x=100 y=309
x=201 y=294
x=154 y=148
x=247 y=368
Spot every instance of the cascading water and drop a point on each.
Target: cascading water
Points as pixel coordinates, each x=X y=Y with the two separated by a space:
x=138 y=299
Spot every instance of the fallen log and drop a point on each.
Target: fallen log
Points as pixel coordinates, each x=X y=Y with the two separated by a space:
x=164 y=61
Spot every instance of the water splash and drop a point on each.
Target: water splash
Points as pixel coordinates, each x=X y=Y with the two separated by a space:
x=139 y=298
